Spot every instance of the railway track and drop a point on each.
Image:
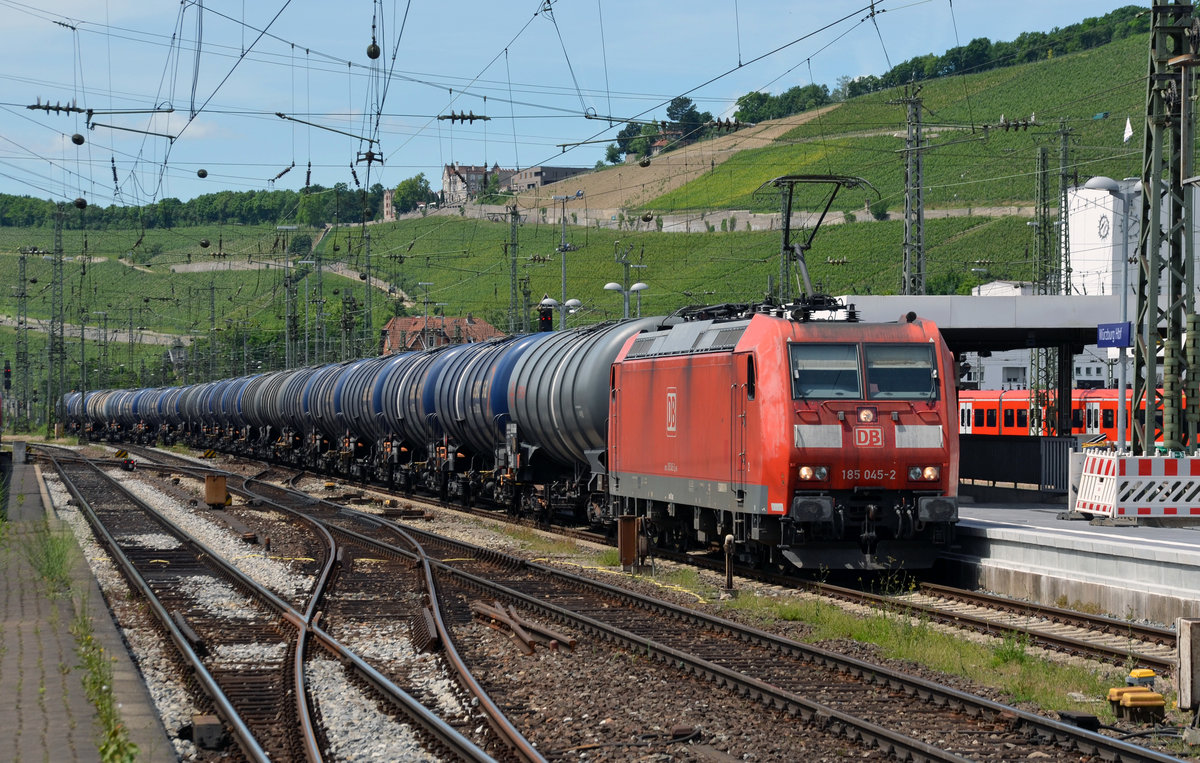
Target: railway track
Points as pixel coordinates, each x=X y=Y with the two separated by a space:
x=250 y=651
x=904 y=715
x=1108 y=640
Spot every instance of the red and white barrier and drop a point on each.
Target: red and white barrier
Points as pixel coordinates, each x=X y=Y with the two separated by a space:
x=1139 y=487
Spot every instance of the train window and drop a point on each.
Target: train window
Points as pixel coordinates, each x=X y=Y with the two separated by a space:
x=979 y=418
x=750 y=377
x=1107 y=416
x=991 y=417
x=1008 y=418
x=1022 y=419
x=822 y=371
x=903 y=371
x=1076 y=420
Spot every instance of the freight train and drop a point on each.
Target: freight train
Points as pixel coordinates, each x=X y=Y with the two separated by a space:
x=819 y=444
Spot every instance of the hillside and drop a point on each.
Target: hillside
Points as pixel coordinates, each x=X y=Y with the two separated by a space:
x=458 y=263
x=1089 y=95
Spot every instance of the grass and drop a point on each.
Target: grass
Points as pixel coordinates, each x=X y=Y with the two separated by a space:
x=1006 y=665
x=51 y=552
x=115 y=745
x=538 y=543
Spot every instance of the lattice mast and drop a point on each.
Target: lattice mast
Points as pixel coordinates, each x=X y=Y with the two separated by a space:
x=913 y=274
x=1166 y=279
x=1046 y=280
x=57 y=382
x=23 y=389
x=512 y=245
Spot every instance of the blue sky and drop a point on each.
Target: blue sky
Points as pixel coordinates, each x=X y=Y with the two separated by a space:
x=227 y=67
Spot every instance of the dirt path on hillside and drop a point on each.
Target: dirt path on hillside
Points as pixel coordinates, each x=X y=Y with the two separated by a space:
x=630 y=186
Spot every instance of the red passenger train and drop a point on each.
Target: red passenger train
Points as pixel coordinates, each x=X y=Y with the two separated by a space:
x=1093 y=412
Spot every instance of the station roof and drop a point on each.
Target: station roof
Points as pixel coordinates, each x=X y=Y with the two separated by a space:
x=995 y=323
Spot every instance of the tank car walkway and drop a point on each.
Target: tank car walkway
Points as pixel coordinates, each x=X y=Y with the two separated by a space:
x=44 y=711
x=1026 y=551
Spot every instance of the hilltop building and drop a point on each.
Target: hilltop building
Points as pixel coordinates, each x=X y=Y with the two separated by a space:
x=542 y=175
x=463 y=182
x=426 y=332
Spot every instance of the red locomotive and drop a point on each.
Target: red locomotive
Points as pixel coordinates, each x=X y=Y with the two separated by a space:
x=815 y=443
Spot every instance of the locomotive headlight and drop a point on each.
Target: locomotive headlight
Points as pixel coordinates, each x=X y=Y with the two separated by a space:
x=811 y=473
x=924 y=473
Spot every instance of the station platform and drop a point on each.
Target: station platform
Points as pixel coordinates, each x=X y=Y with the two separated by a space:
x=1025 y=551
x=46 y=713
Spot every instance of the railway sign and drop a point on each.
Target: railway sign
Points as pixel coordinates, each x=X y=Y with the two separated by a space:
x=1113 y=334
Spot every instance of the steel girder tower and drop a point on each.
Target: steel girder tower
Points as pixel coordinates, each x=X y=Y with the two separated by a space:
x=23 y=412
x=1166 y=278
x=1043 y=380
x=514 y=217
x=914 y=200
x=57 y=382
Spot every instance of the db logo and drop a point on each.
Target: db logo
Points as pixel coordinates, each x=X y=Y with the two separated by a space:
x=868 y=437
x=672 y=411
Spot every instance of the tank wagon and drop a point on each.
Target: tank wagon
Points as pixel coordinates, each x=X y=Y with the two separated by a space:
x=813 y=443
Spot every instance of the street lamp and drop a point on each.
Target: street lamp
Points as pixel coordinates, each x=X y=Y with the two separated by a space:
x=1131 y=190
x=637 y=287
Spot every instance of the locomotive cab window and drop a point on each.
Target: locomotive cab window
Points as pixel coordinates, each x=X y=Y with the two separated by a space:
x=823 y=371
x=901 y=371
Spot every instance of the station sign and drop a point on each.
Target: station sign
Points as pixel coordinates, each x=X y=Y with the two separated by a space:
x=1113 y=334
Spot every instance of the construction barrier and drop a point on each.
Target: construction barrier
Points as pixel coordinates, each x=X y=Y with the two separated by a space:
x=1139 y=487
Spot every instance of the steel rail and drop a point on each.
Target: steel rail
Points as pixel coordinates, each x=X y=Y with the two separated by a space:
x=246 y=739
x=413 y=709
x=496 y=717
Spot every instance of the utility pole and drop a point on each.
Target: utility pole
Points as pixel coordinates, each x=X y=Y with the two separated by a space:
x=526 y=294
x=914 y=202
x=57 y=382
x=320 y=333
x=513 y=218
x=368 y=344
x=1063 y=260
x=1165 y=267
x=212 y=325
x=100 y=379
x=23 y=390
x=1046 y=280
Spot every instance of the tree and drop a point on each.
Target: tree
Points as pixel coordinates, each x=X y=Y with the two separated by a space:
x=613 y=154
x=644 y=143
x=412 y=192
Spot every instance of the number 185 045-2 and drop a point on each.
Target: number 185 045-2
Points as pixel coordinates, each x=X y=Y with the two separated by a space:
x=868 y=474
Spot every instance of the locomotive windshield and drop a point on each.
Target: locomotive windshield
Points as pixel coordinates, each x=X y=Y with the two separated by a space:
x=900 y=371
x=822 y=371
x=893 y=371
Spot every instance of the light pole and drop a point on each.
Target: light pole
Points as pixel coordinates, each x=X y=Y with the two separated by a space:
x=638 y=287
x=563 y=248
x=1126 y=193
